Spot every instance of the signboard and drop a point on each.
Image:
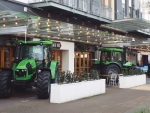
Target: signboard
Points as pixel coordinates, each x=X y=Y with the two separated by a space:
x=56 y=45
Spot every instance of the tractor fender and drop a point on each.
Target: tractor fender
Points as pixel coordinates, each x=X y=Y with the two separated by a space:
x=53 y=65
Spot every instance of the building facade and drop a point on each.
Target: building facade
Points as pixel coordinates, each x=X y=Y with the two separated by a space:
x=70 y=23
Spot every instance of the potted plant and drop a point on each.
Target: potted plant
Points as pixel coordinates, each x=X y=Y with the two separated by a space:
x=132 y=78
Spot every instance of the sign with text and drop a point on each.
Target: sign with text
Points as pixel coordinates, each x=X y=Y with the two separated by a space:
x=56 y=45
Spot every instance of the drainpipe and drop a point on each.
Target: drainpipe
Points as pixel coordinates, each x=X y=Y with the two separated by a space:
x=148 y=71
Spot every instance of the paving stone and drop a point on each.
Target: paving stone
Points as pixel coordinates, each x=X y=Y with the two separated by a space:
x=115 y=100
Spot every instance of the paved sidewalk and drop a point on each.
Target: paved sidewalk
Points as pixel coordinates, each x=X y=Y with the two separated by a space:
x=115 y=100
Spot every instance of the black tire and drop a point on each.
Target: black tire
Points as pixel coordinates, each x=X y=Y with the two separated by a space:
x=43 y=85
x=5 y=84
x=20 y=88
x=55 y=80
x=111 y=69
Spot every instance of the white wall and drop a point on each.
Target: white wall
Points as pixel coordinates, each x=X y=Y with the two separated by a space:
x=67 y=55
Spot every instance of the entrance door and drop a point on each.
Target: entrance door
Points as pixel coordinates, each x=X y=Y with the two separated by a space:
x=6 y=56
x=57 y=55
x=82 y=61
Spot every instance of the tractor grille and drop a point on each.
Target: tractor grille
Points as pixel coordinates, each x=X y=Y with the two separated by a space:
x=20 y=73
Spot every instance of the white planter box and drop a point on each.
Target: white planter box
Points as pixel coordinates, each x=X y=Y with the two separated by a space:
x=132 y=81
x=73 y=91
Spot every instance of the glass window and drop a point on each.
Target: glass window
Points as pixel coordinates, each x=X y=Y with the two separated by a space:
x=105 y=56
x=116 y=56
x=84 y=5
x=31 y=52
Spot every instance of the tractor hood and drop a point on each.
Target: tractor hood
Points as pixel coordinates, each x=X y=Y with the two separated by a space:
x=24 y=64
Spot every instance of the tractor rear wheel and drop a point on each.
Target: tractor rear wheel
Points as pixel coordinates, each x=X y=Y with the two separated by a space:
x=5 y=84
x=43 y=85
x=55 y=80
x=111 y=69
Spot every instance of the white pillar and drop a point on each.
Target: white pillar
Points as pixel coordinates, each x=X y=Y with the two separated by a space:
x=67 y=56
x=138 y=58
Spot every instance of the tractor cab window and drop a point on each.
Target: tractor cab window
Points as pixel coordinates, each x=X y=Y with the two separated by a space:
x=46 y=53
x=105 y=56
x=31 y=52
x=116 y=56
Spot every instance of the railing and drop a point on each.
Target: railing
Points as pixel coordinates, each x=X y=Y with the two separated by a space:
x=93 y=7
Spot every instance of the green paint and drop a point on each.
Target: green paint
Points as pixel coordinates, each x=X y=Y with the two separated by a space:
x=36 y=42
x=128 y=64
x=23 y=63
x=53 y=67
x=96 y=62
x=111 y=49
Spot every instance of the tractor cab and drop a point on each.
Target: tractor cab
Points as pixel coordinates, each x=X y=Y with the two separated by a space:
x=111 y=55
x=38 y=52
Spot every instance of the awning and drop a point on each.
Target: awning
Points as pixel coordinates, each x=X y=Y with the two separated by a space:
x=12 y=30
x=130 y=24
x=37 y=27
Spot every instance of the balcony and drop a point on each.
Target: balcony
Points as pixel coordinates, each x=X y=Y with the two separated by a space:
x=86 y=10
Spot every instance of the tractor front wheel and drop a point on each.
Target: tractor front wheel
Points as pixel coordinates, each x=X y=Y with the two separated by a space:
x=5 y=84
x=43 y=85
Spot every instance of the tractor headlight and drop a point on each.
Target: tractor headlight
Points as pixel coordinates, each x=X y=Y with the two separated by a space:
x=23 y=70
x=17 y=70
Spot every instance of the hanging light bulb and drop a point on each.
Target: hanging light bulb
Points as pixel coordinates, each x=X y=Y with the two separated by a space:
x=16 y=23
x=4 y=25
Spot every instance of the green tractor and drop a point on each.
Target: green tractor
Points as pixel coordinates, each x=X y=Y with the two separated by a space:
x=112 y=61
x=32 y=66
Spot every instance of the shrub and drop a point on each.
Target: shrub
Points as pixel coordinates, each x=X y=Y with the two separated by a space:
x=68 y=77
